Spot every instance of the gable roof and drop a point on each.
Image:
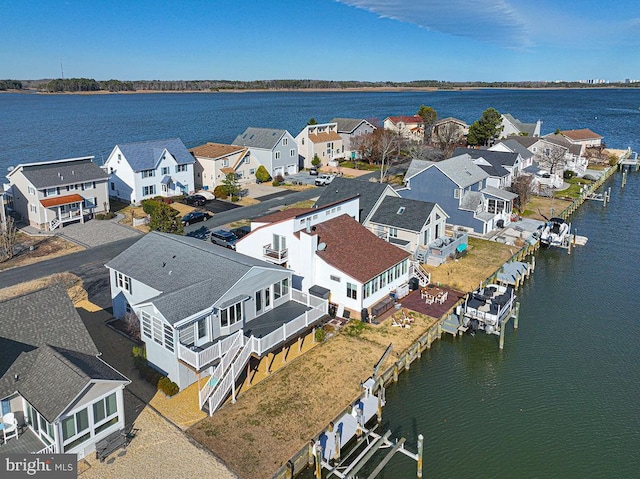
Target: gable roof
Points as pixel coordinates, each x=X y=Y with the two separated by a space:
x=528 y=128
x=45 y=343
x=265 y=138
x=462 y=170
x=354 y=250
x=581 y=135
x=145 y=155
x=561 y=140
x=525 y=141
x=450 y=119
x=499 y=193
x=61 y=172
x=410 y=215
x=324 y=137
x=215 y=150
x=415 y=119
x=517 y=147
x=348 y=125
x=342 y=188
x=496 y=158
x=190 y=274
x=416 y=166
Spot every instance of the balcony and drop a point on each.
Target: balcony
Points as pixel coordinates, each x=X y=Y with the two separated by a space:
x=267 y=331
x=274 y=255
x=439 y=250
x=27 y=442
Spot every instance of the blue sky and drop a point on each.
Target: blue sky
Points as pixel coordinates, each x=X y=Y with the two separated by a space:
x=370 y=40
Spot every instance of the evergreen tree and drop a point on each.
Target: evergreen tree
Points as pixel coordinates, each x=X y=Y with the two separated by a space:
x=231 y=185
x=165 y=218
x=485 y=130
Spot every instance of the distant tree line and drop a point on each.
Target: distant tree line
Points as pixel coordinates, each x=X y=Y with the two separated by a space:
x=10 y=85
x=90 y=84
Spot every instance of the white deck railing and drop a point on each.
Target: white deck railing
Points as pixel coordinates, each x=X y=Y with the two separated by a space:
x=275 y=255
x=220 y=370
x=199 y=359
x=231 y=375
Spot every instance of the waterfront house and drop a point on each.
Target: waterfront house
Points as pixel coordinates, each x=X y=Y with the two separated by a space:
x=214 y=161
x=513 y=127
x=583 y=137
x=3 y=213
x=145 y=169
x=370 y=195
x=321 y=140
x=460 y=187
x=410 y=127
x=52 y=193
x=331 y=254
x=449 y=130
x=62 y=395
x=512 y=145
x=274 y=149
x=350 y=129
x=205 y=310
x=501 y=166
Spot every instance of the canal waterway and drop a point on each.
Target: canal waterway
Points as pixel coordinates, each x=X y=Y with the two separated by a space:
x=562 y=399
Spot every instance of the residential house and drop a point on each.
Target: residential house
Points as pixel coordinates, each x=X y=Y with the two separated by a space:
x=276 y=150
x=332 y=255
x=214 y=161
x=3 y=213
x=501 y=166
x=449 y=130
x=460 y=187
x=52 y=193
x=583 y=137
x=410 y=127
x=370 y=195
x=512 y=145
x=513 y=127
x=350 y=129
x=142 y=170
x=205 y=310
x=64 y=397
x=321 y=140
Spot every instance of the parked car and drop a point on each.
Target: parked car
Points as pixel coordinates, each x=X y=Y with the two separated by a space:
x=324 y=180
x=195 y=200
x=224 y=238
x=195 y=217
x=241 y=231
x=313 y=171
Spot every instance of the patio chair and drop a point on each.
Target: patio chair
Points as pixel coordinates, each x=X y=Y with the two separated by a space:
x=10 y=426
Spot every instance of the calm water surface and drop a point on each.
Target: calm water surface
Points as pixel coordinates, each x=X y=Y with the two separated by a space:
x=561 y=400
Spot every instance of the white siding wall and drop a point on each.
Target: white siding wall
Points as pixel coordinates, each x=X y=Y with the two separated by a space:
x=122 y=177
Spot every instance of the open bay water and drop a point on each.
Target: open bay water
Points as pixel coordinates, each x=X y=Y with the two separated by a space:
x=562 y=399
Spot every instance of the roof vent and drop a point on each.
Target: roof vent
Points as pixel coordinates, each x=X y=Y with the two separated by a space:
x=322 y=246
x=400 y=210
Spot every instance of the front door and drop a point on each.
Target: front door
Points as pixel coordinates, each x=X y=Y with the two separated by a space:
x=267 y=298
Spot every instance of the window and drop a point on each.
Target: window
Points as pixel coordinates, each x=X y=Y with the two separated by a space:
x=71 y=187
x=165 y=170
x=374 y=285
x=153 y=328
x=334 y=278
x=33 y=208
x=277 y=155
x=393 y=232
x=51 y=192
x=113 y=186
x=258 y=301
x=383 y=280
x=32 y=190
x=352 y=291
x=285 y=141
x=231 y=315
x=292 y=152
x=89 y=185
x=105 y=413
x=90 y=202
x=75 y=424
x=276 y=291
x=148 y=173
x=181 y=168
x=285 y=286
x=405 y=266
x=148 y=190
x=225 y=162
x=367 y=290
x=123 y=282
x=252 y=171
x=456 y=193
x=247 y=160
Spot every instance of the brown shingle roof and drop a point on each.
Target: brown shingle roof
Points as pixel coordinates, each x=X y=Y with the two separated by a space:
x=215 y=150
x=355 y=250
x=580 y=135
x=324 y=137
x=407 y=119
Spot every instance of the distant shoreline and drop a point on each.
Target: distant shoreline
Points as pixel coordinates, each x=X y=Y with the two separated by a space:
x=316 y=90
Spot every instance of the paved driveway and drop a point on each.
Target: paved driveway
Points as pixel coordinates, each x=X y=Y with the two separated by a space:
x=219 y=206
x=97 y=232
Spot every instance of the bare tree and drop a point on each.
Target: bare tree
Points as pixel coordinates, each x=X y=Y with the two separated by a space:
x=382 y=147
x=553 y=158
x=447 y=137
x=522 y=186
x=8 y=239
x=132 y=324
x=420 y=151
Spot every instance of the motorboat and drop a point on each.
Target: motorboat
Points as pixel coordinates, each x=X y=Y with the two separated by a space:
x=555 y=232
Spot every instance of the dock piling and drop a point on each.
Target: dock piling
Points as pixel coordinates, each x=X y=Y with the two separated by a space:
x=502 y=325
x=420 y=446
x=516 y=315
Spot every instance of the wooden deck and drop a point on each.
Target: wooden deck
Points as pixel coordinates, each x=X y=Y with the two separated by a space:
x=414 y=302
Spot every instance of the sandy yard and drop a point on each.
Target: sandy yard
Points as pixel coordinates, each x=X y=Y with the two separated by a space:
x=45 y=247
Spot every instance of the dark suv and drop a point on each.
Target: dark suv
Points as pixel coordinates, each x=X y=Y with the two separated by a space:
x=224 y=238
x=195 y=200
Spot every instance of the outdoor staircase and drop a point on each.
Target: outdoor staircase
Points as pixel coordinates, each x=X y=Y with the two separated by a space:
x=415 y=270
x=223 y=378
x=54 y=223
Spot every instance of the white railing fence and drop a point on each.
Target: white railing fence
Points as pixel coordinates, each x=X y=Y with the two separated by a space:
x=216 y=377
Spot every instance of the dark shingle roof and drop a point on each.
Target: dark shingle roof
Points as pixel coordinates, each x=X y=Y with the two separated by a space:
x=517 y=147
x=496 y=158
x=354 y=250
x=347 y=125
x=189 y=273
x=61 y=173
x=528 y=128
x=145 y=155
x=44 y=342
x=342 y=188
x=403 y=213
x=265 y=138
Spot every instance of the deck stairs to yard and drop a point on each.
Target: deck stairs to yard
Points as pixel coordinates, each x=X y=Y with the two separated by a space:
x=415 y=270
x=54 y=223
x=220 y=380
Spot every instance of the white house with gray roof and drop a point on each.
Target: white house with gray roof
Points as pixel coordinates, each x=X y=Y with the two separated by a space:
x=50 y=194
x=205 y=310
x=63 y=396
x=349 y=129
x=513 y=127
x=274 y=149
x=138 y=171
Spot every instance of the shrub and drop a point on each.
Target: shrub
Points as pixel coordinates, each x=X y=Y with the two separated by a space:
x=321 y=335
x=167 y=386
x=275 y=183
x=568 y=174
x=613 y=161
x=220 y=191
x=316 y=161
x=262 y=175
x=150 y=375
x=105 y=216
x=150 y=206
x=279 y=179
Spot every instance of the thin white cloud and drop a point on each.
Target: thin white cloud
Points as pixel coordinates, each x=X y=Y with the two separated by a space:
x=492 y=21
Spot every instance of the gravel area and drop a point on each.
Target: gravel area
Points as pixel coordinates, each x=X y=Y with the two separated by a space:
x=97 y=232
